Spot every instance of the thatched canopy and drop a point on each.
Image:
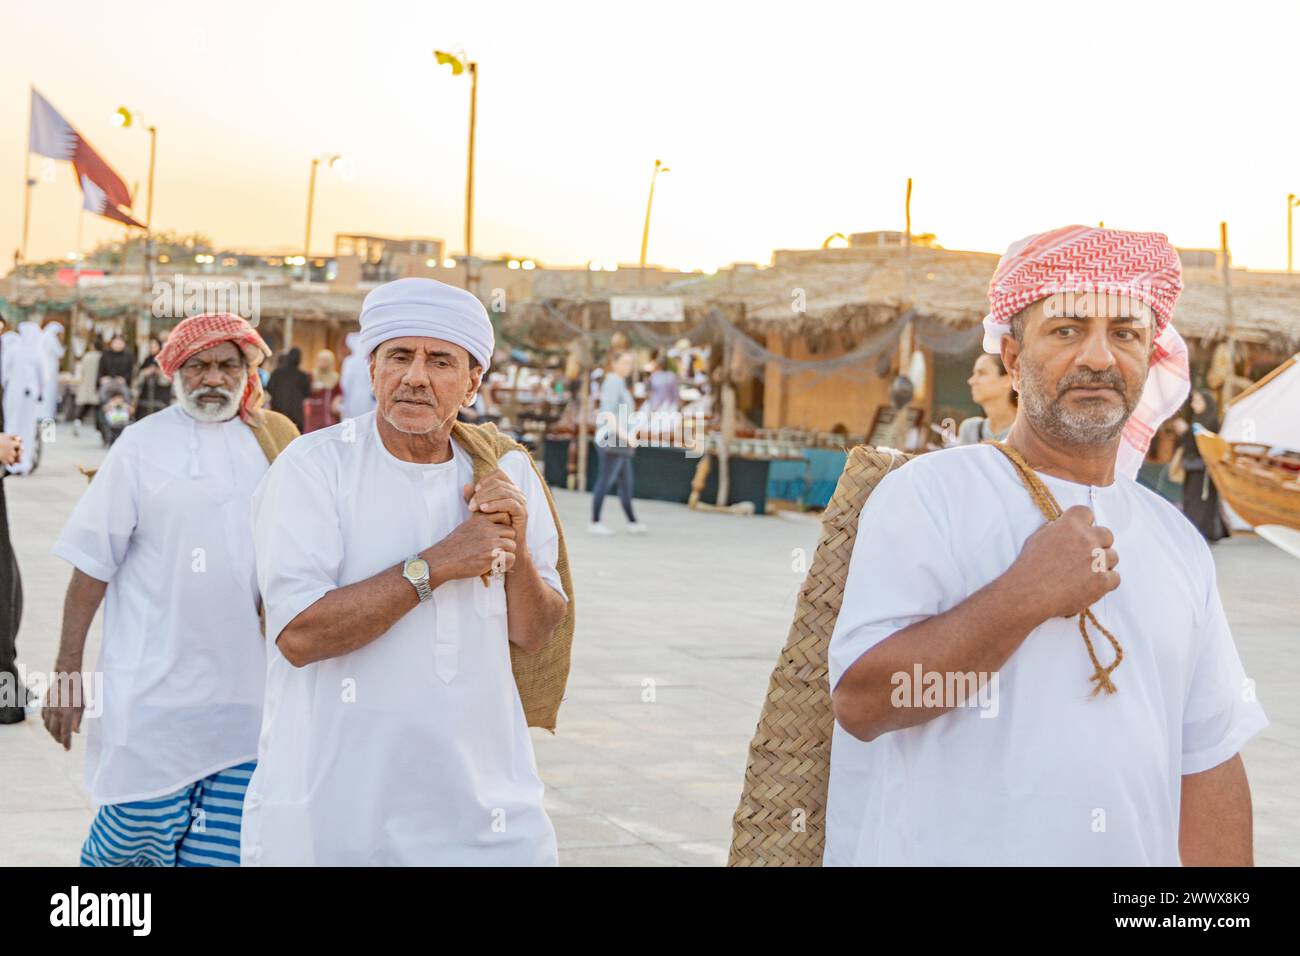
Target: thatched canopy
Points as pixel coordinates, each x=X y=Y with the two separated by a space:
x=819 y=296
x=869 y=288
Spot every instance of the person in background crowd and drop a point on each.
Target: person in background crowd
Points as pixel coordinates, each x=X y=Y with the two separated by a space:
x=53 y=353
x=13 y=695
x=24 y=377
x=990 y=388
x=354 y=379
x=116 y=371
x=614 y=445
x=88 y=384
x=1200 y=497
x=117 y=362
x=289 y=386
x=321 y=409
x=665 y=388
x=152 y=386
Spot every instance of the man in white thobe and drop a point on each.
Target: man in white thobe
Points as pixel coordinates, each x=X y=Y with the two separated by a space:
x=53 y=350
x=975 y=723
x=165 y=531
x=24 y=384
x=394 y=732
x=354 y=379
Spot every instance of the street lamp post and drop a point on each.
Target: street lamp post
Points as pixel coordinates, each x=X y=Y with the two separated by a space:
x=331 y=160
x=645 y=232
x=458 y=66
x=125 y=117
x=1291 y=202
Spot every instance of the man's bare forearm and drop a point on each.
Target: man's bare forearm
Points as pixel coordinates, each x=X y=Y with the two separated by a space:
x=978 y=635
x=80 y=603
x=533 y=607
x=1216 y=826
x=348 y=618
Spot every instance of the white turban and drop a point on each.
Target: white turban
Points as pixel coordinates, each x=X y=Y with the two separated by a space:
x=429 y=309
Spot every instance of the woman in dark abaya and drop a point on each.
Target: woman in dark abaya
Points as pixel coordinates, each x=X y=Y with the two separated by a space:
x=1200 y=497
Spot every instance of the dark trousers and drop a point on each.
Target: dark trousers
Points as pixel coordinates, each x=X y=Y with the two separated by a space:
x=615 y=469
x=12 y=693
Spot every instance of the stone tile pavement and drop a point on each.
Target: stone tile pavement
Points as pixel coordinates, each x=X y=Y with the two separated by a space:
x=677 y=633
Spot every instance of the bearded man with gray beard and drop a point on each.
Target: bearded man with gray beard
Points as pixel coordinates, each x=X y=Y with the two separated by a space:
x=165 y=531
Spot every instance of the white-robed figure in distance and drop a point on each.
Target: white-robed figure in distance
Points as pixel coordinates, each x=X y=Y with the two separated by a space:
x=354 y=380
x=1077 y=755
x=165 y=531
x=24 y=384
x=394 y=732
x=52 y=353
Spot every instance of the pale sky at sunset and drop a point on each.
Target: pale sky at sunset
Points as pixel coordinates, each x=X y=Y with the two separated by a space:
x=782 y=123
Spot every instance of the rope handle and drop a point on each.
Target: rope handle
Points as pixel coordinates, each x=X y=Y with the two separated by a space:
x=1051 y=510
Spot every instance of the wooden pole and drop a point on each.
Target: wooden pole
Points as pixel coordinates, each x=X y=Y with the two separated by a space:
x=146 y=313
x=728 y=428
x=905 y=339
x=584 y=401
x=306 y=242
x=1291 y=203
x=28 y=182
x=1230 y=342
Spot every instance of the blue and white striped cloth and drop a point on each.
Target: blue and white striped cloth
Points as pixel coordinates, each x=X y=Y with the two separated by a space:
x=198 y=825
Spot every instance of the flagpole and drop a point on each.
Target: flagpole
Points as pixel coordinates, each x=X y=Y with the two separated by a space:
x=76 y=275
x=27 y=175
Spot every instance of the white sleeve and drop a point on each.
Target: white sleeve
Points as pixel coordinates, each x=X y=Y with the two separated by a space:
x=1221 y=712
x=296 y=538
x=98 y=533
x=902 y=570
x=543 y=538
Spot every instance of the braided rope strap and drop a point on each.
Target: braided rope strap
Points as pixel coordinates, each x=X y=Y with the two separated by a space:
x=1047 y=504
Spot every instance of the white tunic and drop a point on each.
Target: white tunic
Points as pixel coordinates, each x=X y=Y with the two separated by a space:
x=354 y=378
x=1055 y=777
x=166 y=523
x=23 y=379
x=414 y=748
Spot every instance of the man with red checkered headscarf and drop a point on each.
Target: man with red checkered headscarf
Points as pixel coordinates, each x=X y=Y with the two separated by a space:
x=1001 y=696
x=174 y=708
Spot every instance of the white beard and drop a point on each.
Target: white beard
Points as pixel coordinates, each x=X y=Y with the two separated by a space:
x=202 y=411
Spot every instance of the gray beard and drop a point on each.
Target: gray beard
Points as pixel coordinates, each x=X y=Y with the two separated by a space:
x=201 y=411
x=1050 y=416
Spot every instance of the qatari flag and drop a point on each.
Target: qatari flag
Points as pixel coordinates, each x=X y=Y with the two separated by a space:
x=102 y=190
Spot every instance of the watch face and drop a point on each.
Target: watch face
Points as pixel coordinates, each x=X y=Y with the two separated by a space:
x=417 y=568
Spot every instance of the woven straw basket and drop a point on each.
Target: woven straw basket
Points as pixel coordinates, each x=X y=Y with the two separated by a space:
x=781 y=820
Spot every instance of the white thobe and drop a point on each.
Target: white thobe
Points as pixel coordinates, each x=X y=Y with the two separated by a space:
x=52 y=353
x=166 y=523
x=24 y=380
x=354 y=379
x=414 y=748
x=1052 y=776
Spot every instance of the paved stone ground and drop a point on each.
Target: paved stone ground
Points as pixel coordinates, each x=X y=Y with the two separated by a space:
x=677 y=633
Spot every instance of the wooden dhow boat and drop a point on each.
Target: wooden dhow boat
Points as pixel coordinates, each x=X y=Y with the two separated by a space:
x=1261 y=482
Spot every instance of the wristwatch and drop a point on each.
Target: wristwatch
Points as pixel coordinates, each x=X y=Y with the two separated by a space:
x=416 y=570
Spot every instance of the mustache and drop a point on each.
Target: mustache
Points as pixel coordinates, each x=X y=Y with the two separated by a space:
x=422 y=398
x=1084 y=378
x=224 y=393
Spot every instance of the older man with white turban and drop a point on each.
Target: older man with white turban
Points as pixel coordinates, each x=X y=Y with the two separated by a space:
x=395 y=585
x=1001 y=696
x=165 y=531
